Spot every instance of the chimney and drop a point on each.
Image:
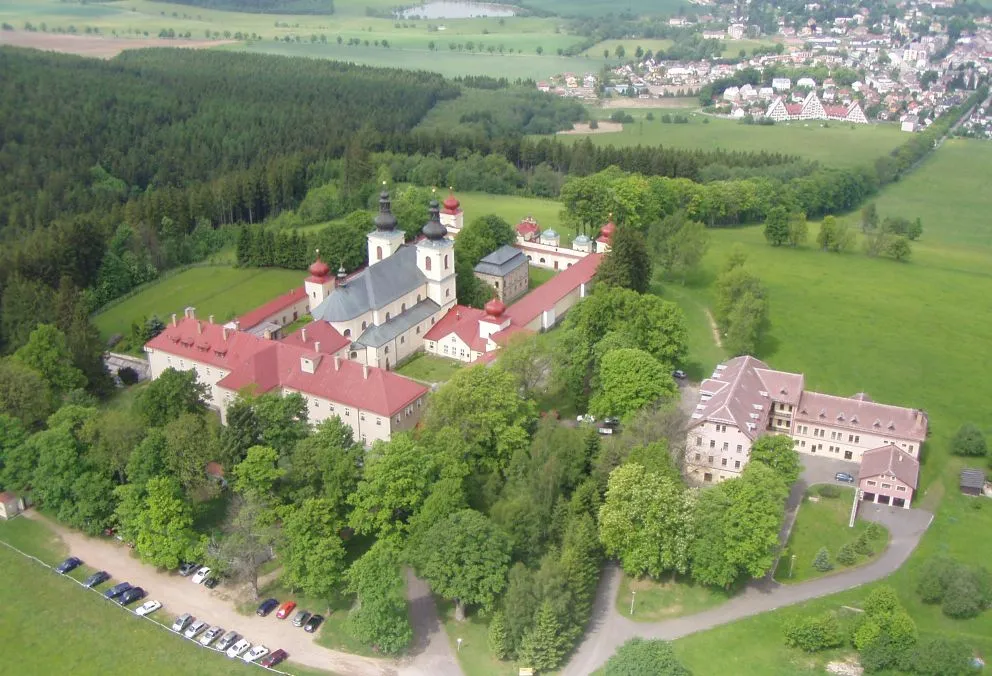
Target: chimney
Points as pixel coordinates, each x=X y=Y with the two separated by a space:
x=316 y=346
x=190 y=312
x=303 y=334
x=225 y=332
x=173 y=318
x=365 y=371
x=199 y=327
x=210 y=319
x=337 y=363
x=267 y=334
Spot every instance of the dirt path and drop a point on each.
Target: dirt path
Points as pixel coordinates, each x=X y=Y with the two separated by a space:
x=431 y=656
x=714 y=328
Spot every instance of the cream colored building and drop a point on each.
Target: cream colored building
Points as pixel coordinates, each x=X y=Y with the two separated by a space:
x=745 y=399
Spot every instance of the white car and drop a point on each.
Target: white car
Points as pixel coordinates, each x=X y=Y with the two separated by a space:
x=255 y=653
x=201 y=575
x=147 y=608
x=211 y=635
x=195 y=629
x=238 y=648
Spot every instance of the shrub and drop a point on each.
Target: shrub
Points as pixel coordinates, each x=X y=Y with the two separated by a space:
x=939 y=656
x=640 y=656
x=814 y=633
x=873 y=531
x=847 y=555
x=127 y=375
x=867 y=633
x=880 y=654
x=822 y=560
x=881 y=601
x=829 y=491
x=969 y=441
x=863 y=544
x=934 y=576
x=962 y=597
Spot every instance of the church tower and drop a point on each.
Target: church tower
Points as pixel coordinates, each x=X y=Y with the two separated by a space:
x=452 y=217
x=436 y=259
x=319 y=284
x=385 y=240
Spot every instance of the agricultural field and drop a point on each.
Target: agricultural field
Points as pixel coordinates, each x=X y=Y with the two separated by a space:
x=907 y=333
x=222 y=291
x=836 y=145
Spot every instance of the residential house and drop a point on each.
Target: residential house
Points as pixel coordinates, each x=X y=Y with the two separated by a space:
x=888 y=476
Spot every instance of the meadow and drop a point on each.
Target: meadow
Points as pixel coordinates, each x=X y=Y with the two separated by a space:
x=836 y=145
x=912 y=333
x=222 y=291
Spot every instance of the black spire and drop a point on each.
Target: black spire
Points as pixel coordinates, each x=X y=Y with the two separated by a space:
x=385 y=221
x=434 y=230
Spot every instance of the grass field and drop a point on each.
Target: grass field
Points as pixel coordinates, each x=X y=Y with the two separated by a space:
x=514 y=209
x=822 y=522
x=224 y=292
x=837 y=145
x=538 y=276
x=429 y=369
x=911 y=334
x=473 y=654
x=657 y=600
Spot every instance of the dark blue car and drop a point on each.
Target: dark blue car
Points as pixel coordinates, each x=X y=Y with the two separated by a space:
x=266 y=607
x=96 y=578
x=69 y=564
x=117 y=590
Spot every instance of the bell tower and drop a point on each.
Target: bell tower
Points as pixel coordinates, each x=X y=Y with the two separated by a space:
x=436 y=259
x=385 y=240
x=320 y=283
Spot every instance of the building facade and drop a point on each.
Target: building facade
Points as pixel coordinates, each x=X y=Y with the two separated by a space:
x=506 y=270
x=745 y=399
x=888 y=476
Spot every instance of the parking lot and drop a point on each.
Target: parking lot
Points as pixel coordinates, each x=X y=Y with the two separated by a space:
x=179 y=595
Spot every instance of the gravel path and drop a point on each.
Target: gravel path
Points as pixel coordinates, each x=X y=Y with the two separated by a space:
x=431 y=653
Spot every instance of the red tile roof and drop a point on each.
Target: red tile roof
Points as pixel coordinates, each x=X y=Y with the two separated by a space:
x=545 y=296
x=890 y=460
x=318 y=332
x=861 y=414
x=794 y=108
x=342 y=380
x=463 y=321
x=260 y=314
x=503 y=337
x=527 y=226
x=205 y=342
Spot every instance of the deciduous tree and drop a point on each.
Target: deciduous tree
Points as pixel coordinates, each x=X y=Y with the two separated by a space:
x=164 y=534
x=777 y=226
x=627 y=265
x=48 y=354
x=169 y=396
x=255 y=476
x=778 y=451
x=379 y=617
x=312 y=554
x=630 y=379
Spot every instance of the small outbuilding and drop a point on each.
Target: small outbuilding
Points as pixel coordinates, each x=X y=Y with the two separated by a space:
x=10 y=505
x=972 y=481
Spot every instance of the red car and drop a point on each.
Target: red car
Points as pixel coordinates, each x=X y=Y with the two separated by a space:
x=285 y=609
x=274 y=658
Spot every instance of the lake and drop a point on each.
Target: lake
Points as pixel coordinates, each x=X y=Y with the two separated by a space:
x=448 y=9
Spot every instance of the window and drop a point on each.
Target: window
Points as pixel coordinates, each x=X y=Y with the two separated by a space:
x=699 y=457
x=445 y=261
x=886 y=485
x=347 y=333
x=911 y=448
x=361 y=416
x=378 y=421
x=803 y=444
x=364 y=325
x=711 y=459
x=208 y=370
x=447 y=293
x=901 y=489
x=542 y=260
x=364 y=440
x=737 y=464
x=427 y=263
x=739 y=448
x=354 y=355
x=347 y=413
x=402 y=307
x=725 y=445
x=387 y=316
x=870 y=482
x=418 y=298
x=378 y=253
x=418 y=330
x=386 y=350
x=699 y=441
x=496 y=284
x=712 y=443
x=723 y=462
x=446 y=349
x=402 y=339
x=331 y=407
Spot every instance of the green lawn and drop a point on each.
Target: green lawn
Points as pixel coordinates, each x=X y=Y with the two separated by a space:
x=658 y=600
x=538 y=276
x=822 y=522
x=514 y=209
x=473 y=654
x=224 y=292
x=34 y=538
x=429 y=369
x=837 y=145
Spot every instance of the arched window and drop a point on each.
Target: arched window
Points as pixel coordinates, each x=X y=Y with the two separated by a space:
x=354 y=355
x=447 y=293
x=418 y=298
x=542 y=260
x=445 y=261
x=378 y=253
x=364 y=325
x=427 y=263
x=386 y=350
x=387 y=316
x=347 y=333
x=402 y=307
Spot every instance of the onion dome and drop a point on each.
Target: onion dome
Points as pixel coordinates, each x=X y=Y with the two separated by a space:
x=319 y=268
x=581 y=240
x=451 y=203
x=434 y=230
x=384 y=220
x=549 y=233
x=608 y=229
x=495 y=307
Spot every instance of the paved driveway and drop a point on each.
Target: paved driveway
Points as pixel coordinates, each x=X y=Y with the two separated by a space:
x=430 y=656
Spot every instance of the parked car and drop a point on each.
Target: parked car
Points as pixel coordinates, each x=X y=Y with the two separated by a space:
x=182 y=622
x=70 y=564
x=238 y=648
x=266 y=607
x=585 y=418
x=285 y=609
x=147 y=608
x=604 y=430
x=255 y=653
x=201 y=575
x=195 y=629
x=844 y=476
x=301 y=617
x=96 y=578
x=611 y=422
x=131 y=595
x=117 y=590
x=274 y=658
x=313 y=623
x=227 y=640
x=211 y=634
x=211 y=582
x=679 y=374
x=188 y=568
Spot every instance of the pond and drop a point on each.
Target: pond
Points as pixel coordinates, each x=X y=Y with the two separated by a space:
x=449 y=9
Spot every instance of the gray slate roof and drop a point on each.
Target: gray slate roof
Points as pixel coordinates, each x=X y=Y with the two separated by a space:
x=374 y=287
x=972 y=478
x=377 y=336
x=501 y=262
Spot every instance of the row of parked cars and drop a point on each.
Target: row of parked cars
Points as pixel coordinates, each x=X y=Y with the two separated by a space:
x=302 y=618
x=122 y=592
x=200 y=574
x=230 y=643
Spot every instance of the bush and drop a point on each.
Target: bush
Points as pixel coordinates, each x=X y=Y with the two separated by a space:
x=847 y=555
x=822 y=560
x=881 y=601
x=940 y=656
x=969 y=441
x=814 y=633
x=127 y=375
x=829 y=491
x=639 y=656
x=863 y=544
x=962 y=598
x=934 y=576
x=873 y=531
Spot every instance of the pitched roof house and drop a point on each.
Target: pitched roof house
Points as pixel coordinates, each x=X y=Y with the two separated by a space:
x=888 y=476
